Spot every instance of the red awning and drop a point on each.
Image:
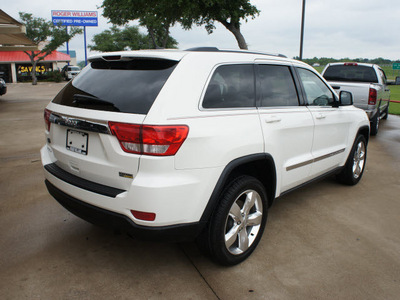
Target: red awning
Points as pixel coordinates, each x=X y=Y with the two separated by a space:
x=20 y=56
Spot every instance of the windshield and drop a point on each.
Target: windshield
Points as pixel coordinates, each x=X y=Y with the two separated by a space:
x=351 y=73
x=121 y=86
x=74 y=69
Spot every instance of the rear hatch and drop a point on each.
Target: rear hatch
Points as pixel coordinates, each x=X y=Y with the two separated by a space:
x=78 y=133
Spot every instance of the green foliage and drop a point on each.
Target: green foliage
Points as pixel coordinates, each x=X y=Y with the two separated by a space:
x=228 y=13
x=223 y=11
x=41 y=31
x=156 y=16
x=159 y=15
x=55 y=76
x=128 y=38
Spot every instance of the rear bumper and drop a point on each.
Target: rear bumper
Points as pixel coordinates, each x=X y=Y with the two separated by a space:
x=115 y=221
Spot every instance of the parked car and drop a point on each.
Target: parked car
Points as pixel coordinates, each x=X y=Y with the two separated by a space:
x=197 y=144
x=70 y=72
x=367 y=83
x=3 y=87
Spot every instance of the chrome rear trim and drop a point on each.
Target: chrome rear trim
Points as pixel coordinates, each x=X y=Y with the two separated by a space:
x=79 y=124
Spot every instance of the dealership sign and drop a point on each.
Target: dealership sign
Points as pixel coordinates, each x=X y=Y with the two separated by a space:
x=74 y=18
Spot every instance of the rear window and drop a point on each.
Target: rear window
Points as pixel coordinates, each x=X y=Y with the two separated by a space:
x=74 y=69
x=351 y=73
x=121 y=86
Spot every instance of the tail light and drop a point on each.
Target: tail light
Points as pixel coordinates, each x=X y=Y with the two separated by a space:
x=372 y=96
x=350 y=64
x=149 y=139
x=47 y=119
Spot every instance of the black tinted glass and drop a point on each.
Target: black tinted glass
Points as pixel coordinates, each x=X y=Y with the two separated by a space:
x=121 y=86
x=317 y=93
x=277 y=86
x=351 y=73
x=231 y=86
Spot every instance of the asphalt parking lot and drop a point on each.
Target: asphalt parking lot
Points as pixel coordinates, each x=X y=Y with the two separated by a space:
x=325 y=241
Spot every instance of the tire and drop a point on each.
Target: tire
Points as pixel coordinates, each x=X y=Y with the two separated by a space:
x=238 y=222
x=355 y=165
x=375 y=123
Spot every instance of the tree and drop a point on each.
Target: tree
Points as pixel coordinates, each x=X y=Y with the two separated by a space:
x=160 y=15
x=229 y=13
x=156 y=16
x=128 y=38
x=41 y=31
x=115 y=39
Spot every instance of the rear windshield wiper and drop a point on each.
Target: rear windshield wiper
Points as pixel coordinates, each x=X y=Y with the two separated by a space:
x=91 y=100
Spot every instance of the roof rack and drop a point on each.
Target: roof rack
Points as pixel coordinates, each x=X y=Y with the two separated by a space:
x=215 y=49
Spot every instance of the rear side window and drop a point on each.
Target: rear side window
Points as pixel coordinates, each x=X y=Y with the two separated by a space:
x=120 y=86
x=231 y=86
x=351 y=73
x=277 y=87
x=383 y=76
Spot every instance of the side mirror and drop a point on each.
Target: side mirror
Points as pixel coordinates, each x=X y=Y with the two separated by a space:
x=345 y=98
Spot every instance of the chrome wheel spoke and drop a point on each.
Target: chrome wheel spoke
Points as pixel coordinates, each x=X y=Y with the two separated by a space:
x=243 y=240
x=249 y=203
x=235 y=212
x=231 y=236
x=254 y=219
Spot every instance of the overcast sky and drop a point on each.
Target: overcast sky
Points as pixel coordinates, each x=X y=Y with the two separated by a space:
x=333 y=28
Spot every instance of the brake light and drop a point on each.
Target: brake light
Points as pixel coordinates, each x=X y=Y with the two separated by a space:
x=350 y=64
x=372 y=96
x=149 y=139
x=47 y=122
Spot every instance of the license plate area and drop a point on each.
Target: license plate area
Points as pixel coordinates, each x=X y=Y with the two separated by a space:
x=77 y=141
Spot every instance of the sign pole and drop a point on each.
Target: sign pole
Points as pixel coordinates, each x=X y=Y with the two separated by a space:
x=84 y=37
x=302 y=29
x=66 y=29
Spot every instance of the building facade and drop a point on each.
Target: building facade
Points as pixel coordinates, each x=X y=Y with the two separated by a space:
x=15 y=66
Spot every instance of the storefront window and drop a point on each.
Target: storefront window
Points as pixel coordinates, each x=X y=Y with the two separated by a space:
x=24 y=71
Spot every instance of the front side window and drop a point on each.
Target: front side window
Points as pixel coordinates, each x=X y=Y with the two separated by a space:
x=231 y=86
x=277 y=87
x=317 y=93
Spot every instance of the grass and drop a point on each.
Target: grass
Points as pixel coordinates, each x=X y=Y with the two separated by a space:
x=394 y=108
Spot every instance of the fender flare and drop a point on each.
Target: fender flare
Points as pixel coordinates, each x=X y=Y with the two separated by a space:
x=230 y=167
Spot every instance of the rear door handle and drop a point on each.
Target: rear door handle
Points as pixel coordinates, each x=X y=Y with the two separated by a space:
x=272 y=119
x=320 y=116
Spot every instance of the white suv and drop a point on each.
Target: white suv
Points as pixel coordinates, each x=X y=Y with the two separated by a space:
x=178 y=145
x=70 y=72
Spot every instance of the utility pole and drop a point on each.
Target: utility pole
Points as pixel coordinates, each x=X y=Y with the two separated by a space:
x=302 y=29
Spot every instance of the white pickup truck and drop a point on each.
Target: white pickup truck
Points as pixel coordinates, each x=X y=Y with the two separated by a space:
x=367 y=83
